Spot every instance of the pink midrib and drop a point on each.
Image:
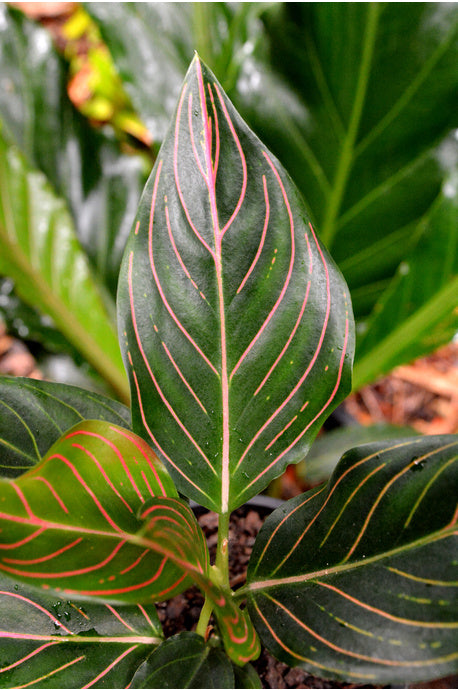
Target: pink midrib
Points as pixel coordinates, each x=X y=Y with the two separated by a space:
x=219 y=277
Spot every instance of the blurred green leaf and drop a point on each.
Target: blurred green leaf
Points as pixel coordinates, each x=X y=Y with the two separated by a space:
x=100 y=185
x=185 y=661
x=418 y=312
x=40 y=252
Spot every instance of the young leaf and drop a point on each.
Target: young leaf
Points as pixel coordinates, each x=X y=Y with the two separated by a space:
x=40 y=252
x=70 y=523
x=357 y=579
x=185 y=661
x=34 y=414
x=188 y=549
x=54 y=643
x=230 y=310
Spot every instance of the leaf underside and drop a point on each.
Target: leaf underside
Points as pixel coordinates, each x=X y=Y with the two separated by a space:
x=357 y=579
x=230 y=311
x=70 y=523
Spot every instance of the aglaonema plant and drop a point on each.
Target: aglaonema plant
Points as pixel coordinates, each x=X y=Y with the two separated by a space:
x=237 y=336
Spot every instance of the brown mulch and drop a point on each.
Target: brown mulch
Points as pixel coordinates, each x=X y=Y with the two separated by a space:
x=423 y=395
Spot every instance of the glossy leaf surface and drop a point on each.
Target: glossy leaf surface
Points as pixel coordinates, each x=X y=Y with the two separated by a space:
x=34 y=414
x=55 y=643
x=185 y=661
x=70 y=523
x=231 y=313
x=40 y=252
x=355 y=101
x=357 y=580
x=418 y=311
x=100 y=185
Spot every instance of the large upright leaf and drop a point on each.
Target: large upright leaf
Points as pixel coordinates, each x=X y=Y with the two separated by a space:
x=46 y=642
x=100 y=185
x=236 y=326
x=355 y=99
x=40 y=251
x=357 y=579
x=34 y=414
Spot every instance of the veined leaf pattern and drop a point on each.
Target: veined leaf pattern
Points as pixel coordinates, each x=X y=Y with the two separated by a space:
x=70 y=523
x=231 y=312
x=162 y=525
x=357 y=579
x=48 y=642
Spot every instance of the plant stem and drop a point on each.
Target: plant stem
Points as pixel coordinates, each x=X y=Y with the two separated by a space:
x=222 y=549
x=204 y=617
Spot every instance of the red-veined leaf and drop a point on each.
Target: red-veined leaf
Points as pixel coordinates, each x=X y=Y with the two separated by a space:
x=162 y=526
x=69 y=524
x=53 y=643
x=357 y=579
x=230 y=311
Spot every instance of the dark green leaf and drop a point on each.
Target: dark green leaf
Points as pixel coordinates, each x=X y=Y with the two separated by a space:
x=246 y=677
x=377 y=86
x=327 y=450
x=40 y=252
x=100 y=185
x=417 y=313
x=357 y=580
x=185 y=661
x=56 y=643
x=34 y=414
x=230 y=311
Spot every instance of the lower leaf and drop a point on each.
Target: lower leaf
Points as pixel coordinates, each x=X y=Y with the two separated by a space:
x=185 y=661
x=52 y=643
x=357 y=579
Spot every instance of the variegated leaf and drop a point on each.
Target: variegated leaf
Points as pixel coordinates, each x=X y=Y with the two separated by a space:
x=357 y=579
x=235 y=324
x=70 y=523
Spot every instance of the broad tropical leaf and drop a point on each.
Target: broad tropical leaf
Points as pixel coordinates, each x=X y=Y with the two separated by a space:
x=231 y=313
x=40 y=252
x=357 y=579
x=55 y=643
x=417 y=313
x=364 y=156
x=70 y=523
x=34 y=414
x=185 y=661
x=100 y=185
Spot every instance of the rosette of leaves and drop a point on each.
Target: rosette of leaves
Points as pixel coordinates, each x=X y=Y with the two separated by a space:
x=237 y=336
